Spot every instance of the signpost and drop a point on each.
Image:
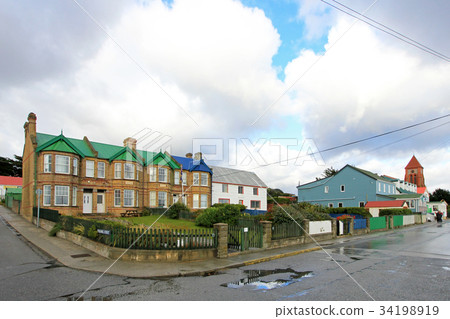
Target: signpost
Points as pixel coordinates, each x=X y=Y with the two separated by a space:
x=38 y=192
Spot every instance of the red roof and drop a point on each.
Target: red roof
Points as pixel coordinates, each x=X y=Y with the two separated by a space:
x=385 y=203
x=10 y=181
x=421 y=190
x=413 y=163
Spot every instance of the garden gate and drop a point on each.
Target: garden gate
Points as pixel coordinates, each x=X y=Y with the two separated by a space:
x=244 y=238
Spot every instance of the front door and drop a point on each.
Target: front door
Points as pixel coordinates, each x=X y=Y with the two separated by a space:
x=87 y=203
x=100 y=202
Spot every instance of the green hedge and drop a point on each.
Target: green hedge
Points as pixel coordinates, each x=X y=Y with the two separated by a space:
x=220 y=213
x=299 y=211
x=395 y=211
x=349 y=210
x=279 y=200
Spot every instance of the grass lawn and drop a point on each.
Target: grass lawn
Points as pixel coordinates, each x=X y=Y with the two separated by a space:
x=163 y=222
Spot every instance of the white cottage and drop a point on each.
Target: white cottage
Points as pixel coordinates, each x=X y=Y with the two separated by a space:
x=233 y=186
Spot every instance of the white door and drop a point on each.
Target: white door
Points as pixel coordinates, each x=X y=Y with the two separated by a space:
x=100 y=202
x=87 y=203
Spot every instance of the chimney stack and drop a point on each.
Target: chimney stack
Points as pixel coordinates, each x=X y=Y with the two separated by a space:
x=30 y=126
x=189 y=155
x=198 y=156
x=130 y=142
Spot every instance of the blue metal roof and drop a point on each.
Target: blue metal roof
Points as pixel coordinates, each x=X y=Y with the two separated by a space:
x=193 y=165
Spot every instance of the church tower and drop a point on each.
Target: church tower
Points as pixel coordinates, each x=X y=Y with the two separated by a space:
x=414 y=173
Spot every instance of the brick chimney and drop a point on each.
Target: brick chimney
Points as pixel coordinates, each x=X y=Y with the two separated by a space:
x=189 y=155
x=130 y=142
x=30 y=126
x=198 y=156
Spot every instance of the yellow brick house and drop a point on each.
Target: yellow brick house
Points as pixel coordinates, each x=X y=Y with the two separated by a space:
x=79 y=176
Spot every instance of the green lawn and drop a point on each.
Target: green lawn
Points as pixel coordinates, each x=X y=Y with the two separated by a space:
x=163 y=222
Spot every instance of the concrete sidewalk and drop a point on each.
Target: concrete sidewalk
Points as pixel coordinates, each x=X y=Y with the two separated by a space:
x=74 y=256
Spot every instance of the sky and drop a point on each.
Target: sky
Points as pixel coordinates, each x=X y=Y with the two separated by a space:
x=255 y=85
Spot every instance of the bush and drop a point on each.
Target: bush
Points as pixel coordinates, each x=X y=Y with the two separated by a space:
x=56 y=228
x=395 y=211
x=223 y=213
x=176 y=210
x=79 y=230
x=238 y=206
x=349 y=211
x=299 y=212
x=92 y=232
x=279 y=200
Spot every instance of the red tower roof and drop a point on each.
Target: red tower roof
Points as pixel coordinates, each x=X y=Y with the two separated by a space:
x=10 y=181
x=413 y=163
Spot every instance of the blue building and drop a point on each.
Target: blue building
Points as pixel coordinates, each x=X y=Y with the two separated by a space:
x=350 y=187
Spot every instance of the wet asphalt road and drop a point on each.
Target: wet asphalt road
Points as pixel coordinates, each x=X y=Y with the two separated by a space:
x=410 y=264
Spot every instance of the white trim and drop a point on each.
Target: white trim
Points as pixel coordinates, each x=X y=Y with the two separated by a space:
x=60 y=187
x=66 y=164
x=89 y=169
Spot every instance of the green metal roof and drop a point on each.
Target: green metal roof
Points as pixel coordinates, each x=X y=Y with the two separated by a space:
x=58 y=143
x=163 y=159
x=403 y=196
x=13 y=190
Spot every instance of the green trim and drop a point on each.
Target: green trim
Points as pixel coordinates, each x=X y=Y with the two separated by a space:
x=163 y=159
x=122 y=155
x=60 y=143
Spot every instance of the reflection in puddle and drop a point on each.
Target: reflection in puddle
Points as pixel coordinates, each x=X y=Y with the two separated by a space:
x=284 y=278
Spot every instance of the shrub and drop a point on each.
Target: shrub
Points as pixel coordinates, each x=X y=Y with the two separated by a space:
x=238 y=206
x=56 y=228
x=349 y=211
x=223 y=213
x=395 y=211
x=299 y=212
x=176 y=210
x=79 y=230
x=92 y=232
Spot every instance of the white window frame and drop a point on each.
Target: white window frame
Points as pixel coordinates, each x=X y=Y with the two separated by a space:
x=384 y=188
x=184 y=178
x=74 y=196
x=62 y=161
x=47 y=163
x=224 y=188
x=128 y=171
x=342 y=188
x=379 y=186
x=176 y=178
x=153 y=199
x=75 y=166
x=117 y=170
x=101 y=169
x=196 y=180
x=204 y=179
x=162 y=196
x=162 y=176
x=203 y=201
x=47 y=195
x=90 y=167
x=362 y=204
x=326 y=189
x=255 y=201
x=152 y=173
x=195 y=201
x=137 y=199
x=65 y=196
x=117 y=198
x=128 y=198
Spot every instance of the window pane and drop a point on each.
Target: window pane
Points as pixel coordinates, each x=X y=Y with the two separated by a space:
x=176 y=179
x=195 y=200
x=75 y=166
x=196 y=179
x=89 y=168
x=47 y=163
x=128 y=198
x=241 y=189
x=101 y=170
x=224 y=188
x=129 y=171
x=116 y=197
x=255 y=191
x=62 y=164
x=47 y=195
x=152 y=172
x=62 y=195
x=74 y=196
x=118 y=170
x=162 y=178
x=152 y=199
x=162 y=199
x=204 y=201
x=204 y=181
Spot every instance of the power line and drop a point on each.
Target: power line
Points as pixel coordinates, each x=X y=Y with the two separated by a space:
x=360 y=141
x=387 y=30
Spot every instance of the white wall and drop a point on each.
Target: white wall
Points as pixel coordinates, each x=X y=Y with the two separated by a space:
x=320 y=227
x=408 y=220
x=234 y=197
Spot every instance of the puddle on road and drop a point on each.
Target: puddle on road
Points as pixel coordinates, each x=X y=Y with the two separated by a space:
x=283 y=278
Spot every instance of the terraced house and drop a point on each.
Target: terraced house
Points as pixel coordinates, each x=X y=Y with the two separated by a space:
x=79 y=176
